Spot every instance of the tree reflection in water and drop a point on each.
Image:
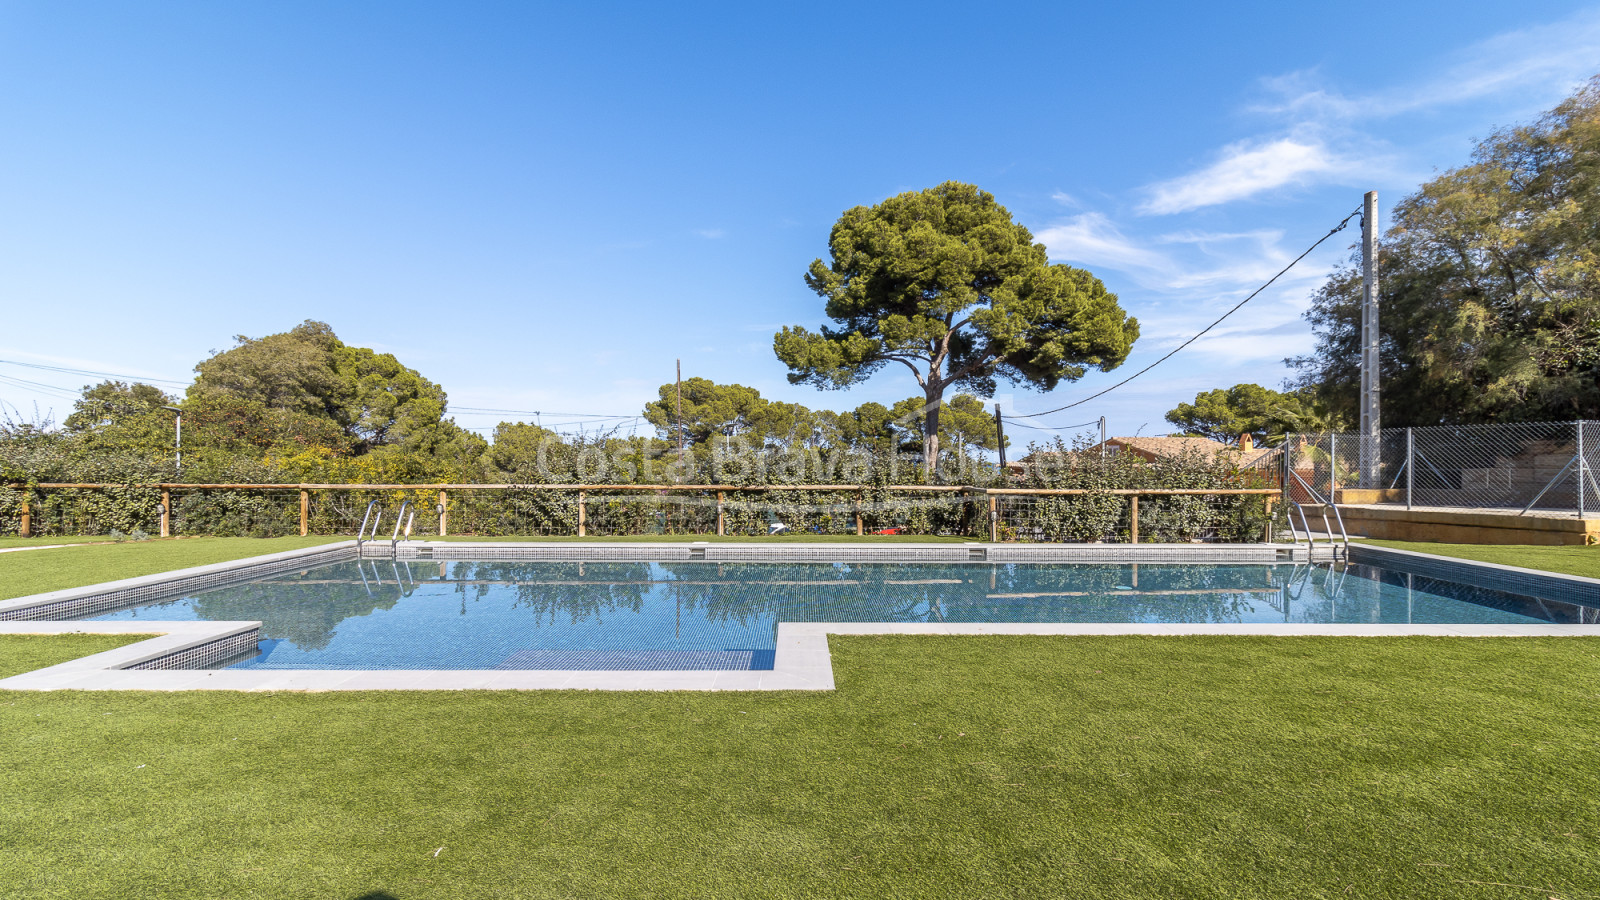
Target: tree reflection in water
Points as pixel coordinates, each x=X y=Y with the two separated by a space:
x=708 y=605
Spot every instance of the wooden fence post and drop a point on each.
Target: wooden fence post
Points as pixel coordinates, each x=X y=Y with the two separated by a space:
x=858 y=515
x=1267 y=537
x=1134 y=498
x=444 y=513
x=994 y=519
x=166 y=514
x=26 y=526
x=582 y=525
x=720 y=532
x=305 y=512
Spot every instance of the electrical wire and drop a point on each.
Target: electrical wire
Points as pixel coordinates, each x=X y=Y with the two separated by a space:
x=1335 y=230
x=1013 y=423
x=140 y=378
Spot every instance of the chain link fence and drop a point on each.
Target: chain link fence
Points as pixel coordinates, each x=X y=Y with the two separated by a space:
x=1524 y=467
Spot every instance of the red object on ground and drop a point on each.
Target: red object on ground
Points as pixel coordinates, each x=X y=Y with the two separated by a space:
x=887 y=531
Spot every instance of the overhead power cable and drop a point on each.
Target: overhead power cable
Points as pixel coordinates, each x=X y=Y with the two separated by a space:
x=1335 y=230
x=141 y=378
x=1011 y=421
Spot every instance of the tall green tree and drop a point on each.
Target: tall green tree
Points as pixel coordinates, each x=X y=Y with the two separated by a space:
x=1490 y=286
x=376 y=399
x=1225 y=414
x=707 y=409
x=945 y=283
x=963 y=421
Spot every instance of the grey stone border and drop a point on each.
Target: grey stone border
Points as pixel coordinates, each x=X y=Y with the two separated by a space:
x=758 y=551
x=801 y=662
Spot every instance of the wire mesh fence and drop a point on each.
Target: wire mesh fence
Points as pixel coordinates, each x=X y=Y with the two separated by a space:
x=1532 y=467
x=1164 y=518
x=422 y=511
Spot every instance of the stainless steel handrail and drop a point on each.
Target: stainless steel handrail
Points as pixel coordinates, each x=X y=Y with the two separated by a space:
x=1311 y=542
x=361 y=535
x=1343 y=535
x=399 y=520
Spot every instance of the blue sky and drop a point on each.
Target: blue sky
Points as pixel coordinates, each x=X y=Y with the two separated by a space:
x=541 y=207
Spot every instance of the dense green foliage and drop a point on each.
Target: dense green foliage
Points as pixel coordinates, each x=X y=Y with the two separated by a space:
x=303 y=407
x=1099 y=515
x=704 y=411
x=945 y=283
x=1490 y=286
x=1226 y=414
x=942 y=767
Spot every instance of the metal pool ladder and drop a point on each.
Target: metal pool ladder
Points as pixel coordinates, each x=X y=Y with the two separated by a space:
x=1340 y=548
x=399 y=519
x=361 y=535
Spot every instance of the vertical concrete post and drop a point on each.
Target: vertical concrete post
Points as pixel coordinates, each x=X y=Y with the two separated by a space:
x=1370 y=425
x=994 y=519
x=1411 y=465
x=1266 y=537
x=305 y=512
x=583 y=527
x=1583 y=468
x=1333 y=466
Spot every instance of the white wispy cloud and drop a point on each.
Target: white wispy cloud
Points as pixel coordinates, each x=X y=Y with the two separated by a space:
x=1317 y=133
x=1546 y=60
x=1244 y=169
x=1092 y=239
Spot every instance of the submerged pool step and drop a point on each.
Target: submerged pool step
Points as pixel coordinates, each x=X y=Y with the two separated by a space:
x=639 y=660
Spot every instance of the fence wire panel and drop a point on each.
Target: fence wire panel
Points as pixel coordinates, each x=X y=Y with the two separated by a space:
x=1109 y=518
x=658 y=512
x=923 y=513
x=816 y=512
x=64 y=511
x=340 y=512
x=1535 y=466
x=513 y=511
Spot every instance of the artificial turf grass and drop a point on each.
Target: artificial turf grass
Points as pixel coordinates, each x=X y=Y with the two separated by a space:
x=26 y=652
x=8 y=542
x=941 y=767
x=794 y=538
x=1573 y=560
x=37 y=571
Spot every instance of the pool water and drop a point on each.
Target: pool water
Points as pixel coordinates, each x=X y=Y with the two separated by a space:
x=463 y=614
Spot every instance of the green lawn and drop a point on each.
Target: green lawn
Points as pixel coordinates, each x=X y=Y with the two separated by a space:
x=24 y=653
x=981 y=767
x=37 y=571
x=14 y=541
x=725 y=539
x=1583 y=561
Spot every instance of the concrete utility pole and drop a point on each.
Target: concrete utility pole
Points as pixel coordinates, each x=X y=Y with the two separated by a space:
x=178 y=441
x=1370 y=426
x=1000 y=439
x=679 y=415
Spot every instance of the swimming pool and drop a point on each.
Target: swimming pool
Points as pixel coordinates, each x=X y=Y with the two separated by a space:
x=376 y=614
